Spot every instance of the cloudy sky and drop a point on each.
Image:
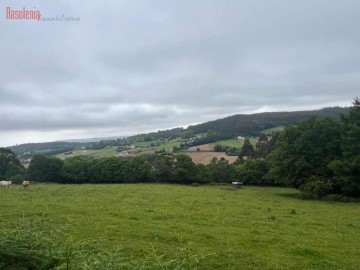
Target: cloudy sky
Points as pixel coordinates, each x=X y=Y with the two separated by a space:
x=133 y=66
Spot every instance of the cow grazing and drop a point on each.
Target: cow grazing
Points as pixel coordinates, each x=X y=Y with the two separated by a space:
x=5 y=183
x=26 y=184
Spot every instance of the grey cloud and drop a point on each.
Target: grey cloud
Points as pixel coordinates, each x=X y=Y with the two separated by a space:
x=133 y=66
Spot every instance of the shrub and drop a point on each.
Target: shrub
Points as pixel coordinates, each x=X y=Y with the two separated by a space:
x=317 y=186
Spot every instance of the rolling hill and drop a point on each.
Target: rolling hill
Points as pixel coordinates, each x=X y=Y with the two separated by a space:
x=211 y=132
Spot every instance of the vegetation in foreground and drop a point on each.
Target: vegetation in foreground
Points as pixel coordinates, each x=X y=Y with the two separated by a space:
x=205 y=227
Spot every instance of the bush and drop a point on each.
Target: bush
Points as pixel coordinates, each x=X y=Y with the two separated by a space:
x=317 y=186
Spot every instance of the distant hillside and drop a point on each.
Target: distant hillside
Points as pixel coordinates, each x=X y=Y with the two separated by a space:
x=209 y=132
x=95 y=139
x=27 y=150
x=252 y=124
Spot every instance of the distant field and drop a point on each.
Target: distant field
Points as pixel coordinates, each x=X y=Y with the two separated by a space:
x=250 y=228
x=168 y=145
x=203 y=147
x=105 y=152
x=165 y=144
x=253 y=140
x=206 y=157
x=146 y=144
x=236 y=143
x=231 y=143
x=269 y=131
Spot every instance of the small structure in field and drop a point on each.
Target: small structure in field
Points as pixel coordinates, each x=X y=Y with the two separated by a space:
x=237 y=184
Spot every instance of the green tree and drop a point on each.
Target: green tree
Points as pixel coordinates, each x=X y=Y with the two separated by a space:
x=219 y=148
x=265 y=145
x=76 y=169
x=10 y=165
x=110 y=170
x=141 y=170
x=45 y=169
x=252 y=172
x=347 y=166
x=175 y=168
x=221 y=170
x=246 y=152
x=262 y=146
x=185 y=169
x=304 y=151
x=164 y=167
x=203 y=174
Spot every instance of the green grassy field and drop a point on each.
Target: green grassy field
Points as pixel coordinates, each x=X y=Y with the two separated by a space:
x=269 y=131
x=105 y=152
x=146 y=144
x=249 y=228
x=163 y=144
x=236 y=143
x=230 y=143
x=168 y=145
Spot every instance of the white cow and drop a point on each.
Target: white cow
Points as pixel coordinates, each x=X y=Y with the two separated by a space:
x=26 y=184
x=5 y=183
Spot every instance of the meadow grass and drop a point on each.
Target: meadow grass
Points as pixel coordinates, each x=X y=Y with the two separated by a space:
x=236 y=143
x=168 y=145
x=249 y=228
x=230 y=143
x=163 y=144
x=104 y=152
x=147 y=144
x=270 y=131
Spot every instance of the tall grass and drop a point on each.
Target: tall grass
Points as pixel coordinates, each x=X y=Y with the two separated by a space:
x=34 y=245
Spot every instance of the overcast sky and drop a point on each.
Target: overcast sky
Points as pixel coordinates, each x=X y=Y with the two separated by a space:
x=133 y=66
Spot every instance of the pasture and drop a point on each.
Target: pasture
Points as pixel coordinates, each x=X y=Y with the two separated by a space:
x=206 y=157
x=236 y=143
x=160 y=144
x=104 y=152
x=226 y=228
x=270 y=131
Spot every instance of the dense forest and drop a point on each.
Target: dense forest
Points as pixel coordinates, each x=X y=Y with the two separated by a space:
x=320 y=156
